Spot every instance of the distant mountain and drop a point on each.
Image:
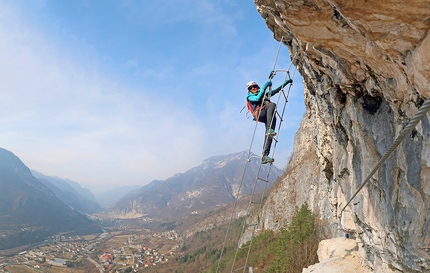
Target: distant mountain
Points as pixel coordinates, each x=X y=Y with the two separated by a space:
x=152 y=185
x=30 y=211
x=70 y=193
x=215 y=182
x=108 y=198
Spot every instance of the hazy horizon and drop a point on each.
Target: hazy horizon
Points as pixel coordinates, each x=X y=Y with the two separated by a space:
x=124 y=93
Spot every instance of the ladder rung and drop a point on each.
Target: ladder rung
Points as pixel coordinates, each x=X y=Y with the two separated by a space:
x=249 y=158
x=262 y=179
x=285 y=96
x=256 y=203
x=252 y=225
x=274 y=138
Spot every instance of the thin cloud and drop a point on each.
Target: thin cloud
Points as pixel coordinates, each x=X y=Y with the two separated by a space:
x=133 y=111
x=91 y=118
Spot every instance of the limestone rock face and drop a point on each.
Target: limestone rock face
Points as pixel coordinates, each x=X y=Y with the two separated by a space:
x=366 y=69
x=338 y=255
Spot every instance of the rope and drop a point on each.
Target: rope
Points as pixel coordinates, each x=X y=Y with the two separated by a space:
x=406 y=131
x=261 y=199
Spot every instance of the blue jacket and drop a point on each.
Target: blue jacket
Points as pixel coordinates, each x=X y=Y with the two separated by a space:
x=256 y=99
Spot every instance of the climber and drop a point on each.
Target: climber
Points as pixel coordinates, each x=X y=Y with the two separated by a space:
x=263 y=110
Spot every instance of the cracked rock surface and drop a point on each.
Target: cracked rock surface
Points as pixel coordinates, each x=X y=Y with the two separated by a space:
x=366 y=70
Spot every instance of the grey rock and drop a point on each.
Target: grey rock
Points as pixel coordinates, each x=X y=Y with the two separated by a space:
x=366 y=70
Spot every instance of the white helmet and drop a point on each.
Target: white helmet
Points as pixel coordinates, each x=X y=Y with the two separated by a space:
x=251 y=83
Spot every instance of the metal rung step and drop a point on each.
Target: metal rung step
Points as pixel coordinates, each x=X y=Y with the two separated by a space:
x=285 y=96
x=256 y=203
x=262 y=179
x=266 y=137
x=249 y=159
x=279 y=116
x=251 y=225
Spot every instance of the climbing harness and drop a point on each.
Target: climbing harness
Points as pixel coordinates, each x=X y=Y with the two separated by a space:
x=255 y=112
x=425 y=107
x=251 y=203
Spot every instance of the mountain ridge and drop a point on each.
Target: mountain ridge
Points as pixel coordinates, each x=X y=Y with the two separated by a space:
x=30 y=211
x=213 y=183
x=70 y=192
x=108 y=199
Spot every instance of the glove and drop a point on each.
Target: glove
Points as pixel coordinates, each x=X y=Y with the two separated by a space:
x=272 y=74
x=287 y=82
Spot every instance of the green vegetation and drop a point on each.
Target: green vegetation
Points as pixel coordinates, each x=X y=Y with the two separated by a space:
x=286 y=251
x=169 y=225
x=23 y=236
x=75 y=264
x=296 y=245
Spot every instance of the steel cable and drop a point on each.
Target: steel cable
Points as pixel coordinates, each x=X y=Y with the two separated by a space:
x=403 y=134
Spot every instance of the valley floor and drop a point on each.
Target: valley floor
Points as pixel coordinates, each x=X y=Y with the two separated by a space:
x=117 y=251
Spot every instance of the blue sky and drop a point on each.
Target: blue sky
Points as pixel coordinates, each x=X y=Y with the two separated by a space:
x=112 y=93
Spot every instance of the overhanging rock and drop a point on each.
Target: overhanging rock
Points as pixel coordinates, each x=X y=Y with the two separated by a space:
x=366 y=69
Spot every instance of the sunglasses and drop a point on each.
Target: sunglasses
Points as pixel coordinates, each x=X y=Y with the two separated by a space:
x=252 y=86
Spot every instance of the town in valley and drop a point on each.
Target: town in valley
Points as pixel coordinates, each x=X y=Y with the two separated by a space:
x=126 y=250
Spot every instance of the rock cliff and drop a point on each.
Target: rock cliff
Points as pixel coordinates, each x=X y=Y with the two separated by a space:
x=366 y=69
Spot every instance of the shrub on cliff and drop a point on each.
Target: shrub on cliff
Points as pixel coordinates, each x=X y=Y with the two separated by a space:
x=296 y=245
